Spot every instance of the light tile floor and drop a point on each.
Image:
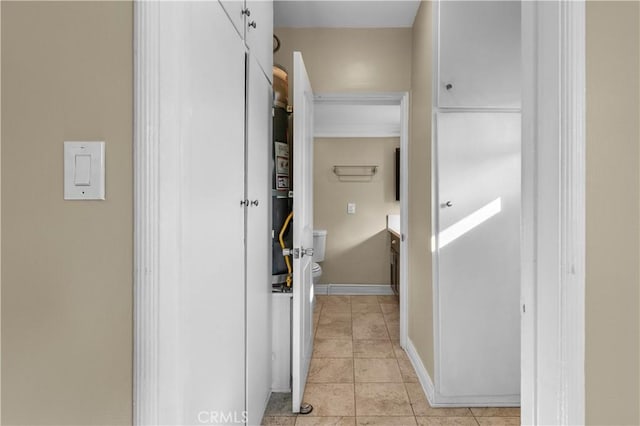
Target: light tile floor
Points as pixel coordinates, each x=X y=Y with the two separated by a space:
x=360 y=375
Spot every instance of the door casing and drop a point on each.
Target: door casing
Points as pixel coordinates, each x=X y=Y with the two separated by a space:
x=553 y=141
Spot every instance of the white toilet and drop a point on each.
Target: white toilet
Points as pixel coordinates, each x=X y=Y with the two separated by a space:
x=319 y=244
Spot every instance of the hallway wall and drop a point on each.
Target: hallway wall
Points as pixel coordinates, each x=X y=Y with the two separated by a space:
x=67 y=265
x=349 y=60
x=612 y=361
x=420 y=265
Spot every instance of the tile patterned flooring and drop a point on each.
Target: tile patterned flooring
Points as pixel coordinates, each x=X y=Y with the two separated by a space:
x=360 y=375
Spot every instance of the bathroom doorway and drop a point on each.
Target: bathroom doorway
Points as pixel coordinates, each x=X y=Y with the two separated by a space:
x=375 y=127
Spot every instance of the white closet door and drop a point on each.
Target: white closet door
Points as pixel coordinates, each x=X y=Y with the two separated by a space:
x=259 y=105
x=259 y=33
x=479 y=256
x=210 y=108
x=479 y=54
x=234 y=9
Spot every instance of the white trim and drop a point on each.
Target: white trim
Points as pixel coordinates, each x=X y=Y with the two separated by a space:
x=435 y=200
x=157 y=255
x=352 y=289
x=372 y=131
x=421 y=371
x=146 y=214
x=404 y=218
x=437 y=400
x=553 y=247
x=573 y=211
x=359 y=98
x=383 y=98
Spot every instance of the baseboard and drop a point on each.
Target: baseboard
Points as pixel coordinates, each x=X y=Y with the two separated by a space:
x=422 y=373
x=437 y=400
x=353 y=289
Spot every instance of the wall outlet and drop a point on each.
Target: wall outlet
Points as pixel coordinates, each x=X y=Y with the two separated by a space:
x=351 y=208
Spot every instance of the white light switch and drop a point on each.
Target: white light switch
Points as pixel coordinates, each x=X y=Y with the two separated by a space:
x=83 y=170
x=351 y=208
x=84 y=173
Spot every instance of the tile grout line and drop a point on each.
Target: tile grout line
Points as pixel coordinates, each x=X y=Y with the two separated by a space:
x=353 y=363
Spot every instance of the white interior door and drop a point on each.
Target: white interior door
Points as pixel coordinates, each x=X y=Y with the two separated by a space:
x=208 y=119
x=258 y=239
x=479 y=256
x=302 y=327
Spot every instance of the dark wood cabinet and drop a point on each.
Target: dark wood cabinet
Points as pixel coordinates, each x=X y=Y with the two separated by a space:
x=395 y=262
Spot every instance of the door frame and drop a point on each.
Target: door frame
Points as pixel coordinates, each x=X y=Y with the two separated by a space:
x=386 y=98
x=553 y=228
x=553 y=212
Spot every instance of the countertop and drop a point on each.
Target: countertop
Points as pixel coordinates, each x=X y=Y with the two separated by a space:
x=393 y=224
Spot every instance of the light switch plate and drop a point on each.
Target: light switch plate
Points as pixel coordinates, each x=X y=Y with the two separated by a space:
x=84 y=173
x=351 y=208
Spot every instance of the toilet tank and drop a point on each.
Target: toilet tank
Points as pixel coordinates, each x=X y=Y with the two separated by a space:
x=319 y=244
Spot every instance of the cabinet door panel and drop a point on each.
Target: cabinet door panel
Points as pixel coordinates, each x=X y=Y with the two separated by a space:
x=479 y=54
x=259 y=103
x=234 y=9
x=478 y=244
x=210 y=109
x=260 y=38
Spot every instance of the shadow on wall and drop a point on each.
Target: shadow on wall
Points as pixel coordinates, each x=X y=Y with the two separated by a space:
x=357 y=260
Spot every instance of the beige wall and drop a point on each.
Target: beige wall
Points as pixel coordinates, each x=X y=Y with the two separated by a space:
x=350 y=60
x=357 y=249
x=0 y=215
x=67 y=265
x=420 y=283
x=613 y=189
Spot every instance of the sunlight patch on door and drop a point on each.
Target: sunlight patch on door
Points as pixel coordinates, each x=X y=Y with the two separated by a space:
x=466 y=224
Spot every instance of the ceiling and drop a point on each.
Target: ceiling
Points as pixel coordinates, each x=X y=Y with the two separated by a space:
x=345 y=13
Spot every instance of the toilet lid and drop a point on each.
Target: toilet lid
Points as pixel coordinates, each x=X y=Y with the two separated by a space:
x=316 y=267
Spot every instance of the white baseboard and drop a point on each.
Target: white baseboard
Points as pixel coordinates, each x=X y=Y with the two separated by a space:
x=353 y=289
x=422 y=373
x=437 y=400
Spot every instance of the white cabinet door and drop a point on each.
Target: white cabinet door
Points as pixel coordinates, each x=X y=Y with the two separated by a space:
x=210 y=108
x=235 y=8
x=478 y=244
x=479 y=54
x=302 y=328
x=259 y=104
x=259 y=33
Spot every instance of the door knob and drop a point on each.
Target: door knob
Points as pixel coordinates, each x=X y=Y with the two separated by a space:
x=254 y=203
x=246 y=12
x=253 y=24
x=447 y=204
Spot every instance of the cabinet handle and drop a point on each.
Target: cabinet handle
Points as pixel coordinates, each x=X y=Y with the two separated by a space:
x=254 y=203
x=244 y=203
x=246 y=12
x=448 y=86
x=252 y=24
